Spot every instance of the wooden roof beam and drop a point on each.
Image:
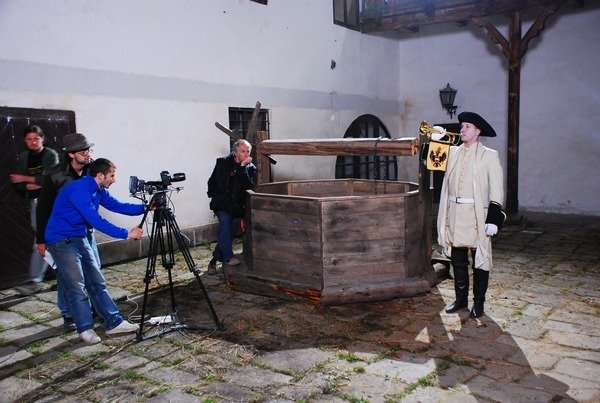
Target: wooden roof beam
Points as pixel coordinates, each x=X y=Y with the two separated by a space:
x=576 y=3
x=381 y=15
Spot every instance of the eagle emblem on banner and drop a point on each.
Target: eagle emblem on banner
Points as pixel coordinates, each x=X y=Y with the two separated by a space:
x=438 y=156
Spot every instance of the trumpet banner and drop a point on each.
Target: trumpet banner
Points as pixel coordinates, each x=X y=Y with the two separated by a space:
x=437 y=156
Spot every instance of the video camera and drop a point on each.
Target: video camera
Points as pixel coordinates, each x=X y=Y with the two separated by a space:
x=141 y=186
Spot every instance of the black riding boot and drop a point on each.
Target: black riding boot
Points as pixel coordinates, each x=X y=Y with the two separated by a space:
x=461 y=287
x=480 y=285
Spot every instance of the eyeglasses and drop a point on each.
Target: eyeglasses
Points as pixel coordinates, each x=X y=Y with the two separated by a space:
x=85 y=151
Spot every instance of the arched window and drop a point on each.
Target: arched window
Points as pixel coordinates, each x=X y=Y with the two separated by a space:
x=367 y=166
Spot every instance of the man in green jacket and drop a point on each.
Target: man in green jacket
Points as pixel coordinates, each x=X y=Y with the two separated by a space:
x=31 y=167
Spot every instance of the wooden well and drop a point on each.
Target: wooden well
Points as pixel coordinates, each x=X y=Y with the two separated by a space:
x=333 y=241
x=339 y=240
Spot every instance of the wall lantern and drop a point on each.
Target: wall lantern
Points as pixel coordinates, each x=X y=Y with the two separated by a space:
x=447 y=95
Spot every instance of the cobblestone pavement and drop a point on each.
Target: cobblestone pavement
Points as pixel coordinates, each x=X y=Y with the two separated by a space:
x=540 y=342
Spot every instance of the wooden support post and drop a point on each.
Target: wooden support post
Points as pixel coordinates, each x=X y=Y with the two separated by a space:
x=514 y=48
x=262 y=160
x=425 y=211
x=514 y=89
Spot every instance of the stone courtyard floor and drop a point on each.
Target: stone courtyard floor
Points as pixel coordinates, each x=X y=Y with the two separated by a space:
x=540 y=340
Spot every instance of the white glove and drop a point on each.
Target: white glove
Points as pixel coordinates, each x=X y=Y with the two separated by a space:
x=491 y=229
x=439 y=133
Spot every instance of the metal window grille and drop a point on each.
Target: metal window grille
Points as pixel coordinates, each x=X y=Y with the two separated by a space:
x=239 y=118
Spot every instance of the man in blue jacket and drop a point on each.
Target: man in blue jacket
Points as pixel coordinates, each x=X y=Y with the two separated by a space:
x=75 y=212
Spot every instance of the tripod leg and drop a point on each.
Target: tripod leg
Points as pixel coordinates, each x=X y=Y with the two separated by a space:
x=155 y=235
x=168 y=264
x=164 y=218
x=218 y=323
x=193 y=268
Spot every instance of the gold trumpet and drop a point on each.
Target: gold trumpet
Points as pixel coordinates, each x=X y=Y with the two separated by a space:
x=426 y=130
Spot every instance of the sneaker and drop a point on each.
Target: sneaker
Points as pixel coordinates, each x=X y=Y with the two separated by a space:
x=233 y=262
x=68 y=324
x=90 y=337
x=124 y=327
x=28 y=289
x=212 y=268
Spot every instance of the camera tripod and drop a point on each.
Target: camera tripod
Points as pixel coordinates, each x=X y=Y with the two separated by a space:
x=164 y=230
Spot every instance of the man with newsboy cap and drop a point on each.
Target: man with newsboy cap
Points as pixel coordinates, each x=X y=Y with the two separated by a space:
x=470 y=211
x=78 y=155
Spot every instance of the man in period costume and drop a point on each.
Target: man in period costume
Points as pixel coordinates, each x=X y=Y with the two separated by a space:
x=470 y=211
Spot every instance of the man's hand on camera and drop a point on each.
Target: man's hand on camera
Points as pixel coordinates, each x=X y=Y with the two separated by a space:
x=135 y=233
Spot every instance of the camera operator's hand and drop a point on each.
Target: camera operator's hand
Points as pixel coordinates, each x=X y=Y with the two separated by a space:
x=247 y=161
x=135 y=233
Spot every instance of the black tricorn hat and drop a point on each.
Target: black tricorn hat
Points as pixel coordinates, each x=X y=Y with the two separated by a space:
x=479 y=122
x=76 y=142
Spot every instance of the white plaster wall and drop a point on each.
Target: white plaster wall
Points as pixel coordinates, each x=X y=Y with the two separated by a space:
x=560 y=99
x=560 y=142
x=147 y=79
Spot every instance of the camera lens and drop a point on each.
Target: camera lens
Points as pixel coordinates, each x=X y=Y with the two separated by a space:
x=178 y=177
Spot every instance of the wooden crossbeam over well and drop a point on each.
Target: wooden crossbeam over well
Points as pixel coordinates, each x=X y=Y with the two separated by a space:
x=406 y=146
x=384 y=146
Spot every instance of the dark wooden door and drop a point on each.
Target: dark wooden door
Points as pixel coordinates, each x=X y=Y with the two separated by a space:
x=16 y=235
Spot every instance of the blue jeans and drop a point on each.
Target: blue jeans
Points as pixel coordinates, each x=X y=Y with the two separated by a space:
x=63 y=301
x=78 y=270
x=37 y=264
x=227 y=227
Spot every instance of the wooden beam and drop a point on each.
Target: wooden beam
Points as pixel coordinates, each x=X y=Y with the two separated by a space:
x=576 y=3
x=253 y=125
x=233 y=135
x=386 y=15
x=514 y=92
x=382 y=146
x=493 y=34
x=537 y=27
x=263 y=165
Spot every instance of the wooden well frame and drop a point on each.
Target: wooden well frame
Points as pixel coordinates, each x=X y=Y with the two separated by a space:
x=339 y=240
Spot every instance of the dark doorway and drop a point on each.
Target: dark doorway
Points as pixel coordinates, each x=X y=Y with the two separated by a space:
x=367 y=166
x=16 y=235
